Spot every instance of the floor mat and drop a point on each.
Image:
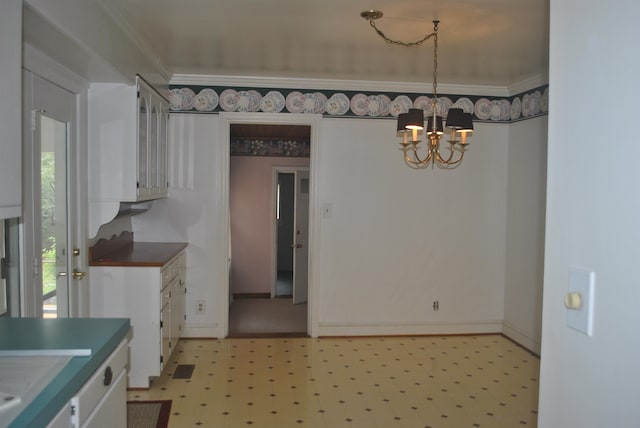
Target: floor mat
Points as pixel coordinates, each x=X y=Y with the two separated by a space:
x=148 y=414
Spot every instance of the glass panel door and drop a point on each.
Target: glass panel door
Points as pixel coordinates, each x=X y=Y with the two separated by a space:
x=48 y=285
x=143 y=143
x=53 y=217
x=162 y=147
x=153 y=147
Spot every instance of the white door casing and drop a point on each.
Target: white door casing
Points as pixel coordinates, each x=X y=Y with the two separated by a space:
x=221 y=189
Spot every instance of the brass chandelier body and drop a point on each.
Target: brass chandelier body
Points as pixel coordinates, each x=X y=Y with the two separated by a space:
x=410 y=123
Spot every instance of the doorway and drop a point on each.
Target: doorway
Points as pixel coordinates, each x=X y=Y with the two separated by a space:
x=266 y=251
x=51 y=274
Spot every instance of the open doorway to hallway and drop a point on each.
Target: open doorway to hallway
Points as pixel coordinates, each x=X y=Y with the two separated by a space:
x=269 y=171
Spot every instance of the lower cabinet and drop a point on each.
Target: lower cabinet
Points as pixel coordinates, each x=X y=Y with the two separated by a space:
x=102 y=400
x=153 y=298
x=62 y=419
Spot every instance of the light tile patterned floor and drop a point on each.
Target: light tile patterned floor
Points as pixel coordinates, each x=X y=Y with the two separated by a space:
x=434 y=381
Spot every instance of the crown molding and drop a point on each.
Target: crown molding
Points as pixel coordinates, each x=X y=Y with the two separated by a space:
x=335 y=84
x=527 y=84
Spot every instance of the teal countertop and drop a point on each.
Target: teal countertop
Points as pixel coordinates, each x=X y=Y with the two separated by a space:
x=99 y=335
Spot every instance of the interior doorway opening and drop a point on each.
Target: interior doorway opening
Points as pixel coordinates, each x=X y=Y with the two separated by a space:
x=267 y=246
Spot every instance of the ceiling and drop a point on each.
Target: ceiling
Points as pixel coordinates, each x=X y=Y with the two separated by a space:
x=481 y=42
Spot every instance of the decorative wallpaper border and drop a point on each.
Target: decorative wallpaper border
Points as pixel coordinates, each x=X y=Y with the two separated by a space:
x=295 y=148
x=214 y=99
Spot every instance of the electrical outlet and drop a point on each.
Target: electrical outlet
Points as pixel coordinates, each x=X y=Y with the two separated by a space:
x=436 y=305
x=200 y=306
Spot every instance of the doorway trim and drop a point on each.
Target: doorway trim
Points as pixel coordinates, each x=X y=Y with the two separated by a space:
x=222 y=165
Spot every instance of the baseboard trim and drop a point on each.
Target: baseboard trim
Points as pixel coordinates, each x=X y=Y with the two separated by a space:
x=521 y=338
x=326 y=329
x=193 y=332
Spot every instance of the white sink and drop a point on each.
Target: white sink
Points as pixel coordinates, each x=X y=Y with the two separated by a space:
x=23 y=378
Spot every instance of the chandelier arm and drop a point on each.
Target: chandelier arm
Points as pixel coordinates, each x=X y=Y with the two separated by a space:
x=414 y=165
x=398 y=42
x=416 y=157
x=448 y=162
x=441 y=158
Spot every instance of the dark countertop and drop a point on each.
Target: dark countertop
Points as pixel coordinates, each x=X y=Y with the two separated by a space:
x=100 y=335
x=143 y=254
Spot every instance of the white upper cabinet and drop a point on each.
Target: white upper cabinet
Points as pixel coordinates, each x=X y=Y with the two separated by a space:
x=10 y=108
x=127 y=147
x=153 y=114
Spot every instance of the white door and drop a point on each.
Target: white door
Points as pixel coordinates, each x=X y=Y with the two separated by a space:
x=301 y=238
x=50 y=288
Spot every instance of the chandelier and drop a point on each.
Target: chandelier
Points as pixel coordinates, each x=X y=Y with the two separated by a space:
x=412 y=122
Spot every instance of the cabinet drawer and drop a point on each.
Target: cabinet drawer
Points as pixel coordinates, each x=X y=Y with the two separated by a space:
x=165 y=297
x=99 y=385
x=173 y=269
x=168 y=272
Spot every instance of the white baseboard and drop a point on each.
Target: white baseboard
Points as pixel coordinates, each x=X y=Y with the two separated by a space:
x=521 y=337
x=201 y=332
x=353 y=329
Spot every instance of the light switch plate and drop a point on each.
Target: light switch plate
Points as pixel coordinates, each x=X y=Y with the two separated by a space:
x=582 y=281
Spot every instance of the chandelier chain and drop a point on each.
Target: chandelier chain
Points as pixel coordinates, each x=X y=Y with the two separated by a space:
x=416 y=43
x=411 y=121
x=435 y=62
x=398 y=42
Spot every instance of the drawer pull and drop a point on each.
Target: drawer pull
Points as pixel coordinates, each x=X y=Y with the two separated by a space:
x=108 y=376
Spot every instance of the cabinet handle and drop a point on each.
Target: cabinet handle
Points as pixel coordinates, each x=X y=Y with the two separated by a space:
x=108 y=376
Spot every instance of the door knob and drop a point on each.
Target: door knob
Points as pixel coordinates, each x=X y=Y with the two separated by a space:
x=78 y=274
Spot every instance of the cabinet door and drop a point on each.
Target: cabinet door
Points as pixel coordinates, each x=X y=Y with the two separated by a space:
x=144 y=116
x=62 y=419
x=154 y=134
x=10 y=111
x=177 y=310
x=111 y=411
x=163 y=166
x=165 y=322
x=104 y=393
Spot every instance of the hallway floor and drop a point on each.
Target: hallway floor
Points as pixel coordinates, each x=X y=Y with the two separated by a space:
x=432 y=381
x=255 y=317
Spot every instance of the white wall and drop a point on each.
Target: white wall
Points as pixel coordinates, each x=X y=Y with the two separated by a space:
x=593 y=213
x=526 y=194
x=190 y=214
x=399 y=239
